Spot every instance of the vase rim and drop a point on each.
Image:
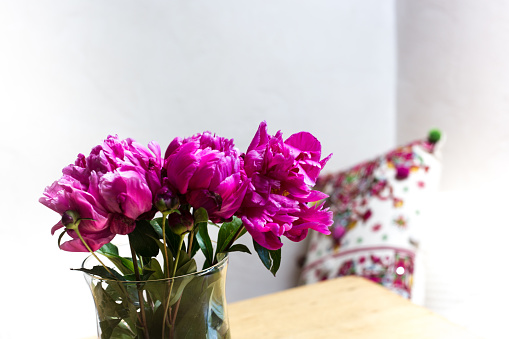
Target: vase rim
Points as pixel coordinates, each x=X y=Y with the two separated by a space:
x=202 y=272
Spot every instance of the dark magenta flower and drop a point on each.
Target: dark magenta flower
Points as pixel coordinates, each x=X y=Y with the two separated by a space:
x=114 y=186
x=207 y=171
x=276 y=201
x=114 y=153
x=309 y=217
x=126 y=195
x=66 y=195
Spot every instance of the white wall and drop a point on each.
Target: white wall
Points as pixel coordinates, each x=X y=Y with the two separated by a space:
x=72 y=72
x=453 y=73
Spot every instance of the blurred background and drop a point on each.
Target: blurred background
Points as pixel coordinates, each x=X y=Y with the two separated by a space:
x=362 y=76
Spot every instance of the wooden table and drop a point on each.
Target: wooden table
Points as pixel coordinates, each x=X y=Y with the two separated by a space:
x=349 y=307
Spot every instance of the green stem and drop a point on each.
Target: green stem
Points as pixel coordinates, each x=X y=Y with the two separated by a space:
x=178 y=256
x=190 y=243
x=92 y=252
x=140 y=293
x=227 y=247
x=166 y=269
x=177 y=305
x=166 y=309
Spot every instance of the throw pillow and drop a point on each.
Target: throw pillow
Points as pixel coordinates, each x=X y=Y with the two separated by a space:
x=376 y=207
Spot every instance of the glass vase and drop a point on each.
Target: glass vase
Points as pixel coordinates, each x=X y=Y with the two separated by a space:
x=188 y=306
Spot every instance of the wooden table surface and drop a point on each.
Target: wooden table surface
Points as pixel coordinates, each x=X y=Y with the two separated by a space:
x=348 y=307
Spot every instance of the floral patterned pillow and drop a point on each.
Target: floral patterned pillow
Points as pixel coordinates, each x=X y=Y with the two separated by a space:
x=376 y=208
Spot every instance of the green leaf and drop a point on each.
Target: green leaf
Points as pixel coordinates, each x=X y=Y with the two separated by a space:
x=220 y=256
x=107 y=327
x=216 y=313
x=192 y=310
x=121 y=332
x=154 y=323
x=205 y=244
x=100 y=271
x=185 y=265
x=270 y=259
x=157 y=292
x=239 y=248
x=173 y=241
x=184 y=259
x=157 y=224
x=167 y=267
x=108 y=248
x=276 y=260
x=124 y=265
x=109 y=310
x=122 y=296
x=202 y=306
x=154 y=267
x=181 y=283
x=146 y=274
x=195 y=245
x=142 y=240
x=201 y=215
x=263 y=253
x=227 y=233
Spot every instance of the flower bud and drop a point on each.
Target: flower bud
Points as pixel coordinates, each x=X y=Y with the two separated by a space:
x=70 y=218
x=187 y=220
x=181 y=223
x=166 y=200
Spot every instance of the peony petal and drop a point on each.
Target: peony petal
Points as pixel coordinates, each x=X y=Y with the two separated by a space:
x=181 y=166
x=57 y=226
x=172 y=147
x=138 y=197
x=325 y=160
x=260 y=137
x=95 y=242
x=211 y=201
x=304 y=142
x=110 y=186
x=297 y=235
x=316 y=196
x=205 y=170
x=120 y=224
x=232 y=190
x=266 y=239
x=156 y=150
x=126 y=192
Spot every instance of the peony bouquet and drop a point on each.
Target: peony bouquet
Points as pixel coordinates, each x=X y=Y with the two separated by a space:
x=167 y=204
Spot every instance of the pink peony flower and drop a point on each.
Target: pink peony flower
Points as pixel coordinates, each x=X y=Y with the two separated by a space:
x=114 y=186
x=126 y=195
x=276 y=201
x=207 y=171
x=67 y=194
x=114 y=153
